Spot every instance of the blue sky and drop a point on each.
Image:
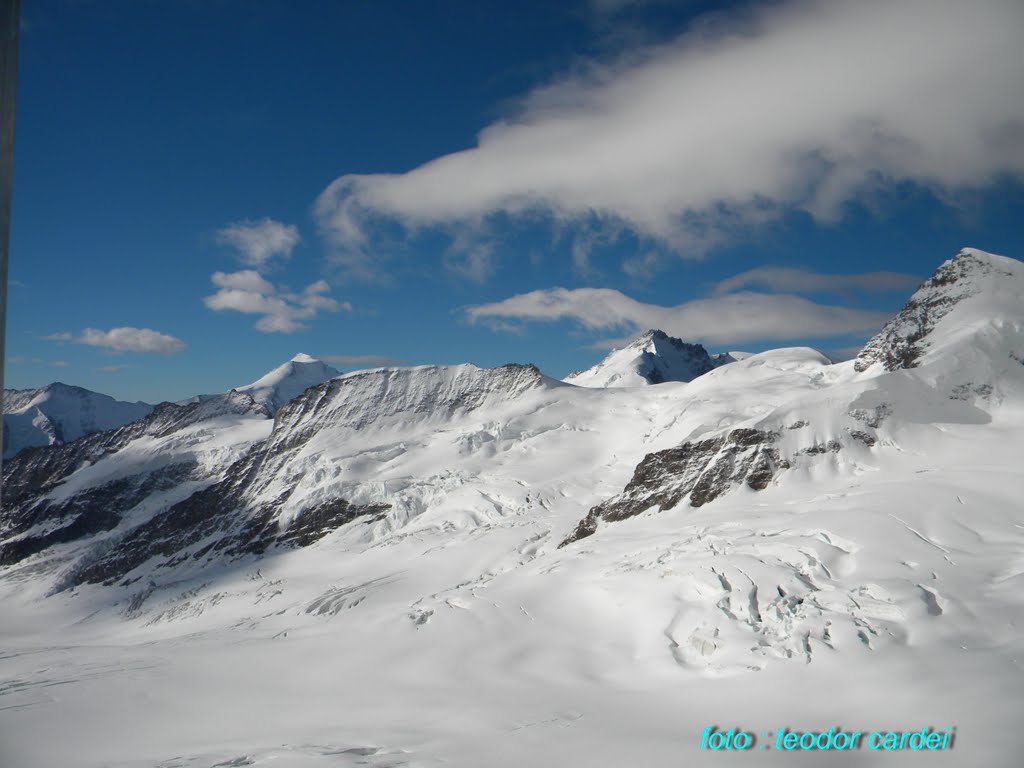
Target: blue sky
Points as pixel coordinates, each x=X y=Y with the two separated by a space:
x=203 y=189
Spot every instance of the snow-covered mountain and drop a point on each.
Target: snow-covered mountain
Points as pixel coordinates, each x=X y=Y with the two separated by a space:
x=963 y=329
x=59 y=413
x=653 y=358
x=288 y=381
x=582 y=575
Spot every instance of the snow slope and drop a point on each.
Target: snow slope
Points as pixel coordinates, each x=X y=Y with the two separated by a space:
x=875 y=582
x=59 y=413
x=653 y=358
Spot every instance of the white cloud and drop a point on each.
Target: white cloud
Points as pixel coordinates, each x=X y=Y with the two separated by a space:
x=793 y=105
x=281 y=310
x=470 y=256
x=125 y=339
x=257 y=242
x=729 y=319
x=21 y=360
x=374 y=360
x=129 y=339
x=786 y=279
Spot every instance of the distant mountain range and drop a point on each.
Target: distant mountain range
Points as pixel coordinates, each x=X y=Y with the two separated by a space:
x=59 y=413
x=416 y=532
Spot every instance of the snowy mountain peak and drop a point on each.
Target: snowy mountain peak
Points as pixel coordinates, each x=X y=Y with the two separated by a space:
x=288 y=381
x=653 y=358
x=971 y=288
x=59 y=413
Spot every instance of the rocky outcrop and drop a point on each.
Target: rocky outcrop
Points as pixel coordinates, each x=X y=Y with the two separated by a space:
x=32 y=528
x=701 y=470
x=903 y=340
x=31 y=520
x=217 y=523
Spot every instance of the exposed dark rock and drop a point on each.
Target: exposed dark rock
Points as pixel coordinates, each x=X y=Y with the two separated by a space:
x=311 y=525
x=219 y=520
x=34 y=472
x=85 y=514
x=902 y=340
x=862 y=436
x=654 y=357
x=704 y=470
x=832 y=446
x=31 y=522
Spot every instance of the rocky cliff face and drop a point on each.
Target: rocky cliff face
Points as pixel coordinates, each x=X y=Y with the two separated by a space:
x=150 y=498
x=904 y=339
x=36 y=516
x=699 y=471
x=217 y=523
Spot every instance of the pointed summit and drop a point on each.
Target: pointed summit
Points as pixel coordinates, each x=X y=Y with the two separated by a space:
x=653 y=358
x=972 y=288
x=288 y=381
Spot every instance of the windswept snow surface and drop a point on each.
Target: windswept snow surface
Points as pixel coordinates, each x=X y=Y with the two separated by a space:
x=876 y=583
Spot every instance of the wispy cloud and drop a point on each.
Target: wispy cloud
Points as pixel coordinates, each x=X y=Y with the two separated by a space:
x=114 y=368
x=281 y=310
x=729 y=319
x=21 y=360
x=798 y=105
x=258 y=241
x=368 y=360
x=790 y=280
x=125 y=339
